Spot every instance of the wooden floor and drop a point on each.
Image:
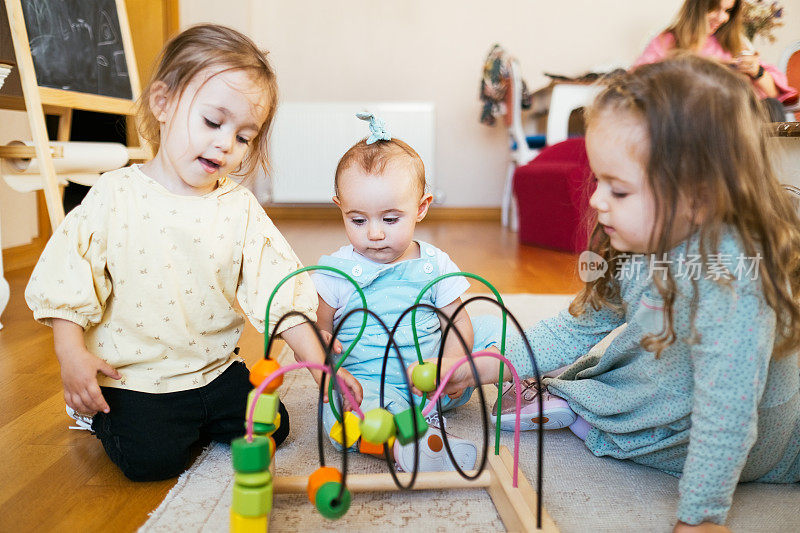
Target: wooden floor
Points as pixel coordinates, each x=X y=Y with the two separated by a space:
x=55 y=479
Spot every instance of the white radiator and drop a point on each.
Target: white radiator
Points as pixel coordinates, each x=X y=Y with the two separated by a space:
x=308 y=140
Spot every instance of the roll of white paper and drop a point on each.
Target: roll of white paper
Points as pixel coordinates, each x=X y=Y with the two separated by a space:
x=5 y=70
x=82 y=162
x=79 y=158
x=35 y=182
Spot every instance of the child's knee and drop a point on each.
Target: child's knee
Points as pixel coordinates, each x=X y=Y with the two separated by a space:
x=156 y=465
x=142 y=459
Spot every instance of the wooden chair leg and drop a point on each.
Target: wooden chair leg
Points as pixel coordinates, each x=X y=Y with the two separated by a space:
x=508 y=195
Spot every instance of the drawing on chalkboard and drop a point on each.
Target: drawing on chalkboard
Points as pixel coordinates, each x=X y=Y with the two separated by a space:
x=107 y=35
x=121 y=64
x=68 y=54
x=76 y=46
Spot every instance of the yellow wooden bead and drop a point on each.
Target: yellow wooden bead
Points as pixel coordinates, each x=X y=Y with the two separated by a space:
x=275 y=424
x=352 y=425
x=248 y=524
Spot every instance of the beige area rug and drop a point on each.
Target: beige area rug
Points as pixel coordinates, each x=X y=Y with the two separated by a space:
x=581 y=492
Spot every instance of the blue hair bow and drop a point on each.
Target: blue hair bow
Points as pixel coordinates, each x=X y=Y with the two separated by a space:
x=377 y=128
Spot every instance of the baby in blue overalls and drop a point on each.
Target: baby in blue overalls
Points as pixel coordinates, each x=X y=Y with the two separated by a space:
x=380 y=189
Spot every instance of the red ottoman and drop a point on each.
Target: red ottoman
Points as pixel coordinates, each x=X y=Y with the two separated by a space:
x=553 y=194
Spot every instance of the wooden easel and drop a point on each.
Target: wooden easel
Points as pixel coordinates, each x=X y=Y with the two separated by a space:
x=39 y=100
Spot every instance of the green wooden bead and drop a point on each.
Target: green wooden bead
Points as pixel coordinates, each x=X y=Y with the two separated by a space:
x=424 y=377
x=252 y=479
x=328 y=502
x=261 y=429
x=252 y=501
x=405 y=425
x=266 y=407
x=377 y=426
x=250 y=456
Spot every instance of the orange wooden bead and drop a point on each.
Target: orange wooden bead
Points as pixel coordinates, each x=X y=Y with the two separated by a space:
x=272 y=446
x=371 y=448
x=261 y=370
x=320 y=477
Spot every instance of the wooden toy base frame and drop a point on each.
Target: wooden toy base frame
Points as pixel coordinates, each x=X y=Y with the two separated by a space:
x=516 y=506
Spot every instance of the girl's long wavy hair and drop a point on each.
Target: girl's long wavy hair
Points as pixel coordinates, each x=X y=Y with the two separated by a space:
x=691 y=26
x=211 y=46
x=708 y=149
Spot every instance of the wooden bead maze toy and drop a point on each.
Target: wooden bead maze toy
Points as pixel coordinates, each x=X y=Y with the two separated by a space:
x=330 y=489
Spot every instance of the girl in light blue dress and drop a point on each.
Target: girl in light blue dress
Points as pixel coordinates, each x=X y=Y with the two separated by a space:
x=380 y=189
x=702 y=249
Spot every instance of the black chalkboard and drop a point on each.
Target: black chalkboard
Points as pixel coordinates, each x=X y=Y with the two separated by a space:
x=77 y=46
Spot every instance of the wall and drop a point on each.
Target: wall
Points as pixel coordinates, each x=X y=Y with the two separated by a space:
x=420 y=50
x=18 y=220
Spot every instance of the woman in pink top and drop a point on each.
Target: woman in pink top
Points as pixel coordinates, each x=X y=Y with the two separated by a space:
x=713 y=28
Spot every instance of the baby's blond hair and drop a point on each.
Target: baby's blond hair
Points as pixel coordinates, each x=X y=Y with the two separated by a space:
x=373 y=159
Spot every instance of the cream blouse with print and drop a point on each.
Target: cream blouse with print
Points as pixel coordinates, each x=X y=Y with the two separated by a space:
x=152 y=277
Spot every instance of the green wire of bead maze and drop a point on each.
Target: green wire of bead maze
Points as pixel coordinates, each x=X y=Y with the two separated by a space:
x=413 y=328
x=502 y=339
x=352 y=345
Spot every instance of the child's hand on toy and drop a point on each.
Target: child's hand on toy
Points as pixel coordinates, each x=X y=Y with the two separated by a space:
x=326 y=337
x=488 y=369
x=352 y=385
x=458 y=381
x=79 y=369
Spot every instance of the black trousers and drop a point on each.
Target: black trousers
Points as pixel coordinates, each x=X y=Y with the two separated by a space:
x=150 y=436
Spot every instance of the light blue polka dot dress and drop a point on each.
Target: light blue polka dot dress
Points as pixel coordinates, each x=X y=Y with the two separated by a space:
x=714 y=413
x=390 y=290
